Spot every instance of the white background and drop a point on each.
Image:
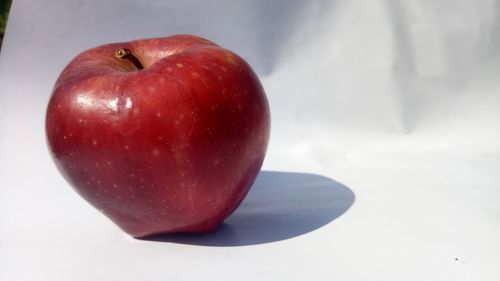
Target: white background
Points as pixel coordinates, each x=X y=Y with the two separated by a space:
x=384 y=161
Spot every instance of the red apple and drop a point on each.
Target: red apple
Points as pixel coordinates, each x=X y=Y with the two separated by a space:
x=161 y=135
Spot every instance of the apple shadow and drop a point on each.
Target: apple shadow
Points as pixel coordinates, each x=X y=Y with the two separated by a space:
x=280 y=205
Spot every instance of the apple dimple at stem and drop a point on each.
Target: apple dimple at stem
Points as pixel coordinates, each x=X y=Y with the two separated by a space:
x=126 y=54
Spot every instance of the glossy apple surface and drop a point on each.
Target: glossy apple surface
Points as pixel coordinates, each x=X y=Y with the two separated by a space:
x=172 y=147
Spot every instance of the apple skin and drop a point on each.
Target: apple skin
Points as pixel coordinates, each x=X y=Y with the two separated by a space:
x=174 y=147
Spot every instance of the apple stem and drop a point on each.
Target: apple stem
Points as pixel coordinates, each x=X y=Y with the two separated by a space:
x=125 y=54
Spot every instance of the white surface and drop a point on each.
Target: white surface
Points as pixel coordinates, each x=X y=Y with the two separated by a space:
x=396 y=102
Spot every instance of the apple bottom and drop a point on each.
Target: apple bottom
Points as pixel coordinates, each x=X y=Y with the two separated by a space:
x=189 y=204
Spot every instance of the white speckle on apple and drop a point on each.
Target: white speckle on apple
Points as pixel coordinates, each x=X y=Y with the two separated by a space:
x=179 y=65
x=224 y=69
x=141 y=179
x=128 y=103
x=158 y=114
x=94 y=142
x=169 y=69
x=219 y=77
x=80 y=120
x=108 y=162
x=113 y=104
x=195 y=74
x=126 y=147
x=65 y=137
x=115 y=185
x=156 y=152
x=132 y=175
x=216 y=161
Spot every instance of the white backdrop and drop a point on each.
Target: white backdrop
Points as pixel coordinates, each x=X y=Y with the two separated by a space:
x=384 y=161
